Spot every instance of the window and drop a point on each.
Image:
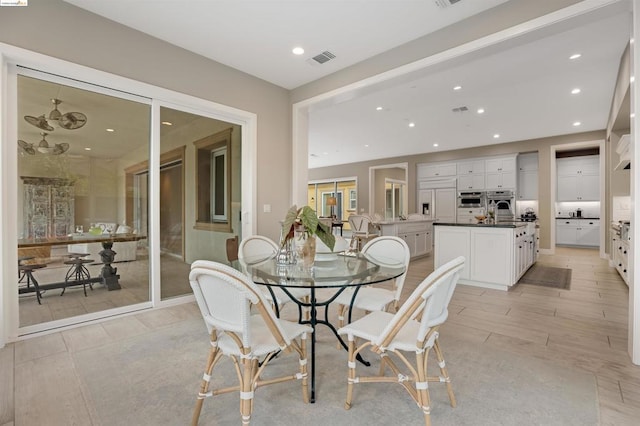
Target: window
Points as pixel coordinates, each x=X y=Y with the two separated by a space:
x=320 y=191
x=212 y=182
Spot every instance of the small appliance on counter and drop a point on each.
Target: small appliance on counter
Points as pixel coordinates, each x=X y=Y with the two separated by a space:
x=529 y=215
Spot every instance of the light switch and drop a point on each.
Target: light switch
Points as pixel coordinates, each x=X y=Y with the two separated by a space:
x=266 y=208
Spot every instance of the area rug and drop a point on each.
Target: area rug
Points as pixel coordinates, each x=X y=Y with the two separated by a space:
x=547 y=276
x=153 y=380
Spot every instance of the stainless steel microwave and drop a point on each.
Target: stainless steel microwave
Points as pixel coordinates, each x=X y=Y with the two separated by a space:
x=472 y=199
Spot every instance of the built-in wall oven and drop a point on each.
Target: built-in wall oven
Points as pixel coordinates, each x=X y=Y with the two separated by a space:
x=503 y=203
x=472 y=199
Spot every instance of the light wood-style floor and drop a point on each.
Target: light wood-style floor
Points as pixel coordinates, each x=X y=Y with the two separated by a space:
x=584 y=327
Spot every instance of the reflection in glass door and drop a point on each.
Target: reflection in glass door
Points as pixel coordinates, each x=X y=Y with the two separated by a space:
x=73 y=196
x=200 y=194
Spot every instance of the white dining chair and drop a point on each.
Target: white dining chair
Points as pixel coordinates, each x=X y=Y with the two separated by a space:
x=360 y=230
x=226 y=298
x=414 y=328
x=374 y=298
x=258 y=246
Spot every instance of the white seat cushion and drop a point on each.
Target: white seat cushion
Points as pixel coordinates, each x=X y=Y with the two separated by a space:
x=368 y=298
x=262 y=339
x=372 y=325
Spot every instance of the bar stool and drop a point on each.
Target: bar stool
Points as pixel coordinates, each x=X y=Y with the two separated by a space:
x=77 y=272
x=22 y=259
x=27 y=271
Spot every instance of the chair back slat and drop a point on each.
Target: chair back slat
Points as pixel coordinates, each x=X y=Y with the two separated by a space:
x=421 y=302
x=391 y=248
x=225 y=297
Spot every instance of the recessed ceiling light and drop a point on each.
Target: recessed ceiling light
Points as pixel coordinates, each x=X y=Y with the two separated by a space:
x=110 y=130
x=325 y=153
x=87 y=149
x=575 y=91
x=167 y=123
x=366 y=145
x=298 y=51
x=575 y=56
x=480 y=111
x=379 y=108
x=496 y=136
x=412 y=124
x=457 y=87
x=435 y=145
x=576 y=123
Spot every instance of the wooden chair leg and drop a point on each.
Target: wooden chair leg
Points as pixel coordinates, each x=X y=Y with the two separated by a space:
x=303 y=368
x=352 y=372
x=444 y=372
x=422 y=386
x=204 y=386
x=246 y=390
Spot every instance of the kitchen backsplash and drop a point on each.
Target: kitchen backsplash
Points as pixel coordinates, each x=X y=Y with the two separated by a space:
x=589 y=208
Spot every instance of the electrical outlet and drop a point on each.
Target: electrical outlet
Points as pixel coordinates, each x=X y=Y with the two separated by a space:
x=266 y=208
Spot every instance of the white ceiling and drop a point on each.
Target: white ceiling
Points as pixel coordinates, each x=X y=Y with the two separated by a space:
x=524 y=87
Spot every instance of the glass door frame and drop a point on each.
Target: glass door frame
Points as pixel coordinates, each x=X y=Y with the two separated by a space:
x=10 y=58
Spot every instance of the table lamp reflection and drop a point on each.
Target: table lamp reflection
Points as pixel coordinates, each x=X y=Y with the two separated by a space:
x=332 y=201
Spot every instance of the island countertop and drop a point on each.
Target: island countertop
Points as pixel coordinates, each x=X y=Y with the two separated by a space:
x=485 y=225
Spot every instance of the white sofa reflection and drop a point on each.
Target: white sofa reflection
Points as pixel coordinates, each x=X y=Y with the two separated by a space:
x=125 y=251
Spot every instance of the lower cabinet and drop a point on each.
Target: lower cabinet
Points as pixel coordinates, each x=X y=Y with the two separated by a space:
x=418 y=234
x=496 y=256
x=578 y=232
x=620 y=256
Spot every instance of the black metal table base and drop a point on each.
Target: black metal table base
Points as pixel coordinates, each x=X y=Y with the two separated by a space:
x=313 y=320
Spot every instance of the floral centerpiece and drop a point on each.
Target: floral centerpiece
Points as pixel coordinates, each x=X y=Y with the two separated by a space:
x=305 y=222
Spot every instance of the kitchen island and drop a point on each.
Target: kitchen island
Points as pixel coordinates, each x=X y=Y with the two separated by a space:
x=418 y=233
x=497 y=254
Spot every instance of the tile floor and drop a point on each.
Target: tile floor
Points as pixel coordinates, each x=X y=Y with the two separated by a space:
x=584 y=327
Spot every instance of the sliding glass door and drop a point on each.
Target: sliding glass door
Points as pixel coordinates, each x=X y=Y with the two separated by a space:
x=79 y=249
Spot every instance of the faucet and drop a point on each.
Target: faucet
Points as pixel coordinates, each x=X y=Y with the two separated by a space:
x=497 y=206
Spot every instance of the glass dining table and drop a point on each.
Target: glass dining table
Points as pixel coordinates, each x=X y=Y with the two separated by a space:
x=334 y=273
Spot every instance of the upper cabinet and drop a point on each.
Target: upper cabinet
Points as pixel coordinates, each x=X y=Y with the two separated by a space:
x=470 y=167
x=500 y=173
x=579 y=178
x=434 y=170
x=528 y=176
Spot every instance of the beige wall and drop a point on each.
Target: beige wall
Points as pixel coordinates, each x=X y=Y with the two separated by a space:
x=542 y=146
x=52 y=26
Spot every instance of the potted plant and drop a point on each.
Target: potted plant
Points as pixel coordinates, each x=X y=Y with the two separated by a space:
x=304 y=223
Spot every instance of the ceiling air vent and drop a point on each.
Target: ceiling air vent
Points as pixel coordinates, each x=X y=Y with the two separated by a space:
x=443 y=4
x=460 y=109
x=321 y=58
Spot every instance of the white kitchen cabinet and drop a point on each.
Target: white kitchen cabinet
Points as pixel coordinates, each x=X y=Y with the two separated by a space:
x=471 y=181
x=578 y=232
x=489 y=248
x=434 y=170
x=418 y=234
x=500 y=173
x=501 y=180
x=496 y=256
x=579 y=188
x=468 y=214
x=528 y=185
x=528 y=176
x=500 y=165
x=578 y=178
x=528 y=162
x=471 y=167
x=620 y=256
